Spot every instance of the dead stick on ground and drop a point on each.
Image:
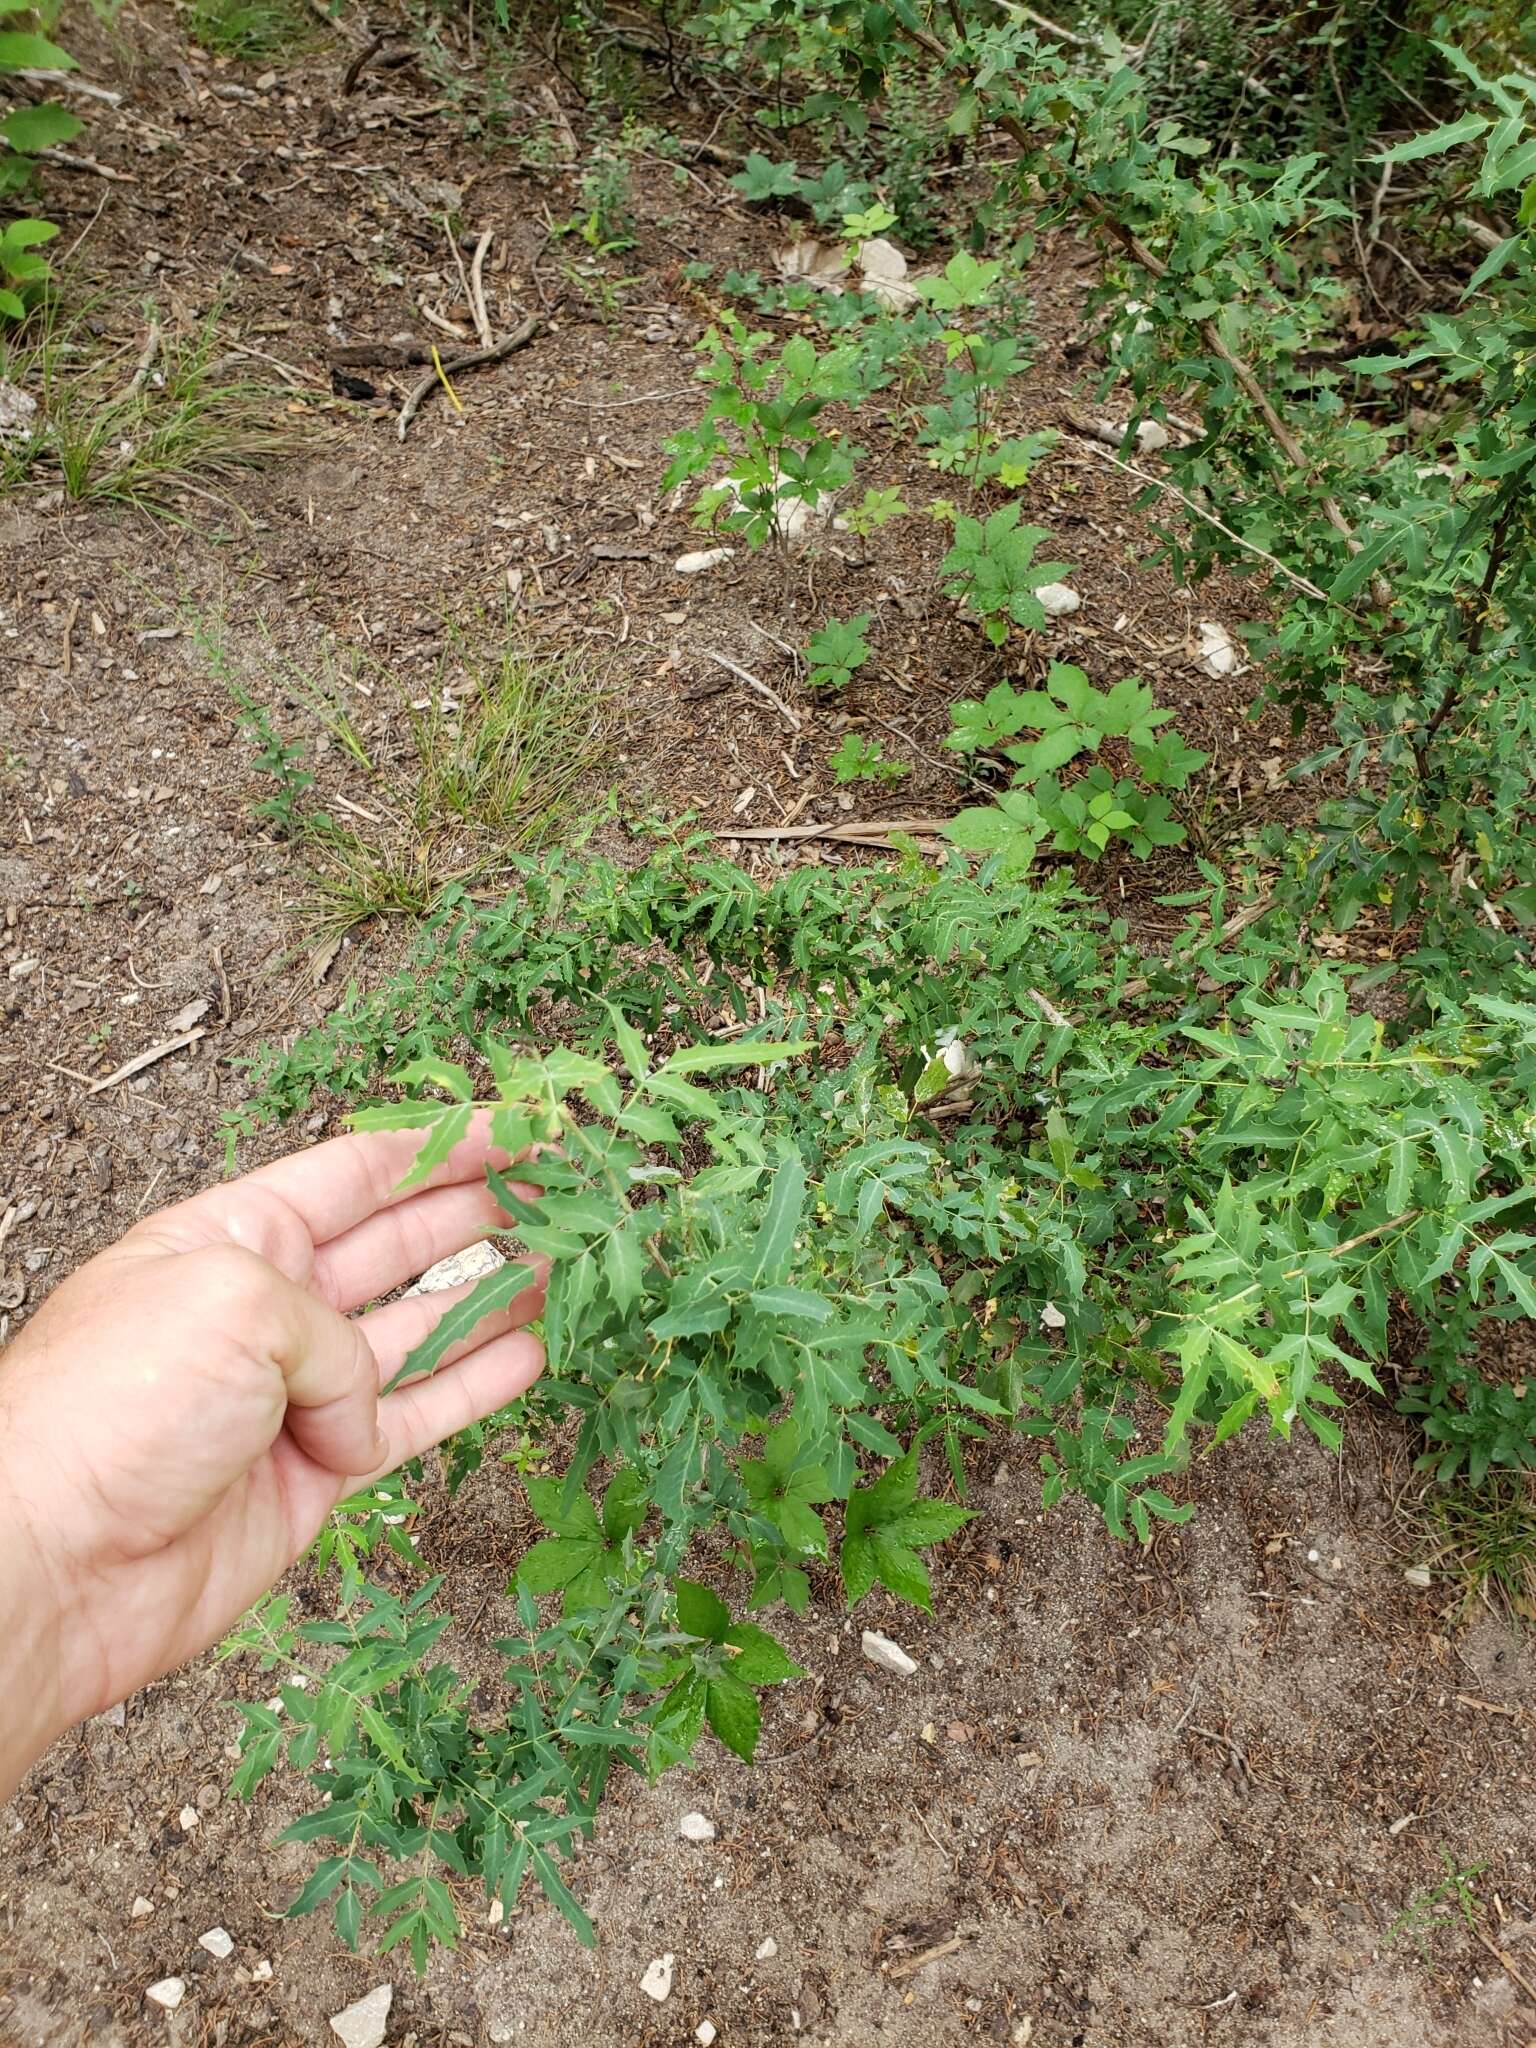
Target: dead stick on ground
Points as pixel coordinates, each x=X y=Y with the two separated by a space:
x=912 y=1964
x=147 y=1059
x=146 y=362
x=476 y=359
x=1239 y=921
x=477 y=289
x=1494 y=1950
x=67 y=161
x=755 y=683
x=873 y=832
x=1225 y=1742
x=61 y=81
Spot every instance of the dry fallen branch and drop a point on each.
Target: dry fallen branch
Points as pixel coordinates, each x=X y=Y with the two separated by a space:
x=477 y=290
x=67 y=161
x=756 y=683
x=863 y=832
x=63 y=81
x=137 y=1065
x=475 y=359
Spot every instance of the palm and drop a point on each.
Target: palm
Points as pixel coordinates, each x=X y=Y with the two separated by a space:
x=194 y=1448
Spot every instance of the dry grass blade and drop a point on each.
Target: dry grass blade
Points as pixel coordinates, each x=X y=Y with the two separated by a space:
x=179 y=428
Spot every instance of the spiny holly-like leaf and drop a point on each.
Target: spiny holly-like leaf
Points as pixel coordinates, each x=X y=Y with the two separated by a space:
x=458 y=1322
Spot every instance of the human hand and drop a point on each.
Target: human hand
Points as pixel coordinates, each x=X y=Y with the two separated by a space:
x=182 y=1414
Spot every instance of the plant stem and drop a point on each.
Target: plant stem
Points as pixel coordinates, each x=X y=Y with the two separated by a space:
x=1497 y=548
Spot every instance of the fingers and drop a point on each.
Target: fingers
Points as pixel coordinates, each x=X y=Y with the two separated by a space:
x=416 y=1417
x=331 y=1378
x=405 y=1239
x=397 y=1328
x=333 y=1187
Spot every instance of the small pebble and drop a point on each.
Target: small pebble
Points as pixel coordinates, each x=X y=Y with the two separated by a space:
x=767 y=1950
x=262 y=1973
x=657 y=1981
x=697 y=1827
x=886 y=1655
x=189 y=1817
x=140 y=1909
x=218 y=1943
x=1059 y=600
x=169 y=1992
x=1420 y=1577
x=704 y=2033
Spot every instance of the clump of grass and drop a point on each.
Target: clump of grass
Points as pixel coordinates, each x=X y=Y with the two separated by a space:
x=441 y=786
x=137 y=429
x=1482 y=1540
x=253 y=29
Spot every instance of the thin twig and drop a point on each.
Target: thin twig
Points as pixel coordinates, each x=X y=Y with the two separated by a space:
x=67 y=161
x=617 y=404
x=476 y=359
x=1226 y=1742
x=145 y=364
x=756 y=683
x=477 y=290
x=147 y=1059
x=861 y=832
x=62 y=81
x=1189 y=504
x=1494 y=1950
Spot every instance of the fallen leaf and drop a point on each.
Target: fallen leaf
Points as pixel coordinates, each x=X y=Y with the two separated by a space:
x=821 y=264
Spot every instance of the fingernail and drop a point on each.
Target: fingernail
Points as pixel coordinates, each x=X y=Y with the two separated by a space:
x=380 y=1448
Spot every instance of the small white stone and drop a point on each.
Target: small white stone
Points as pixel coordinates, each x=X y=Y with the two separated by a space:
x=1404 y=1820
x=362 y=2024
x=767 y=1949
x=140 y=1909
x=1420 y=1577
x=704 y=2033
x=657 y=1981
x=169 y=1992
x=497 y=1914
x=886 y=1655
x=1150 y=434
x=189 y=1818
x=1314 y=1557
x=1051 y=1317
x=1059 y=600
x=218 y=1943
x=700 y=559
x=697 y=1827
x=262 y=1973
